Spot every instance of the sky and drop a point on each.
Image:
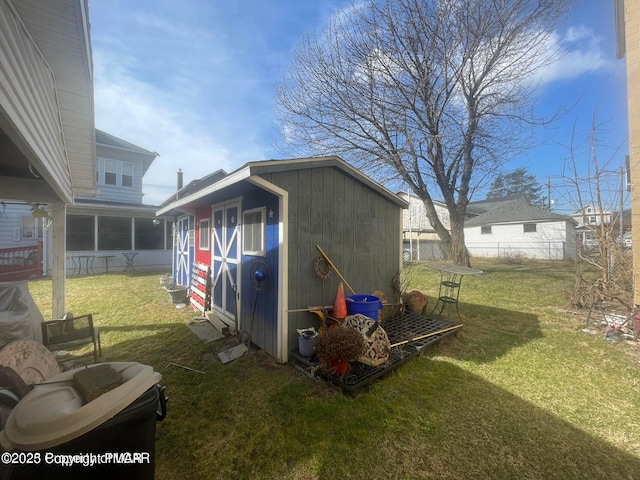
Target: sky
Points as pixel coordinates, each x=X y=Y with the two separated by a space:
x=195 y=81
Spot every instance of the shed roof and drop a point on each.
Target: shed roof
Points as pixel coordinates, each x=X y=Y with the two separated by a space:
x=512 y=211
x=264 y=167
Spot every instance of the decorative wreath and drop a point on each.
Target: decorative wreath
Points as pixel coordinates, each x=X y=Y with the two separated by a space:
x=321 y=268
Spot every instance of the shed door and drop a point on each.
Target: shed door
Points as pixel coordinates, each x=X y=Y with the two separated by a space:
x=183 y=261
x=225 y=259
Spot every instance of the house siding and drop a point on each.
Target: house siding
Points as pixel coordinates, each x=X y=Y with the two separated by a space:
x=416 y=224
x=29 y=104
x=118 y=192
x=11 y=231
x=551 y=240
x=60 y=30
x=632 y=49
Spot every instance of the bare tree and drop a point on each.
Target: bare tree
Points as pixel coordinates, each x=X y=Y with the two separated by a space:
x=593 y=182
x=435 y=94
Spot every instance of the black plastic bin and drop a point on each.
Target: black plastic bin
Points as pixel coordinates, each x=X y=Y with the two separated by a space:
x=129 y=436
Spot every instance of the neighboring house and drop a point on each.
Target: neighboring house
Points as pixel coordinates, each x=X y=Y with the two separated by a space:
x=111 y=231
x=47 y=139
x=270 y=216
x=420 y=240
x=114 y=229
x=590 y=218
x=415 y=223
x=514 y=227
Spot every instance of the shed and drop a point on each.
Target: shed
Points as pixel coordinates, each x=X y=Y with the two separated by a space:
x=269 y=216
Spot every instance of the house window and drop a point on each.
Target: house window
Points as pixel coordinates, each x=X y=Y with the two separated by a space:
x=253 y=232
x=110 y=172
x=80 y=232
x=529 y=227
x=31 y=227
x=149 y=234
x=485 y=230
x=204 y=234
x=592 y=219
x=127 y=174
x=114 y=233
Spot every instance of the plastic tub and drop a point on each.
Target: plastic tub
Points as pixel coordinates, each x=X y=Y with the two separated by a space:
x=307 y=345
x=89 y=433
x=367 y=305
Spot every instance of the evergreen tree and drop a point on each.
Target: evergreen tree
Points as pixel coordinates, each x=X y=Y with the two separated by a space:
x=518 y=183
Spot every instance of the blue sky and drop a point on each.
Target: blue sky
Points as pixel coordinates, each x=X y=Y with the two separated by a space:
x=194 y=80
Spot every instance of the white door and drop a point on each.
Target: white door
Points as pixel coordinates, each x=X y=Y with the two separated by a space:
x=183 y=256
x=225 y=259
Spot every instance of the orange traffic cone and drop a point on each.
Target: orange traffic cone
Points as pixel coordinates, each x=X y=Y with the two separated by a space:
x=340 y=304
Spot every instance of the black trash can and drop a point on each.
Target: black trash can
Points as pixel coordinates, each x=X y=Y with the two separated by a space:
x=122 y=447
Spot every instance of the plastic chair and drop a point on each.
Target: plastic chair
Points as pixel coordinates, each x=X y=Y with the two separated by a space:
x=72 y=334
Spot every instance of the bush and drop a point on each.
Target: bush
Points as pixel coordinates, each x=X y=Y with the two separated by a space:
x=513 y=257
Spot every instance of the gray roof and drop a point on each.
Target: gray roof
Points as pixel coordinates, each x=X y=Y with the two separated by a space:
x=108 y=140
x=266 y=167
x=515 y=211
x=483 y=206
x=195 y=185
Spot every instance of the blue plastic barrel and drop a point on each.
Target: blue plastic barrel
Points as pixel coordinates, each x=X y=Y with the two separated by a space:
x=367 y=305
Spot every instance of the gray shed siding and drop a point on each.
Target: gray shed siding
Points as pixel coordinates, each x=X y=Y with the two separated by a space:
x=358 y=228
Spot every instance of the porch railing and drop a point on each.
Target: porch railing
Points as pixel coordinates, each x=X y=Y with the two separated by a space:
x=20 y=263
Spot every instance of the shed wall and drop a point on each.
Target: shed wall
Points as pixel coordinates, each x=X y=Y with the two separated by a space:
x=359 y=229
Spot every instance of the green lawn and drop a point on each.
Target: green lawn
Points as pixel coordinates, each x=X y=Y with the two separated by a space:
x=519 y=393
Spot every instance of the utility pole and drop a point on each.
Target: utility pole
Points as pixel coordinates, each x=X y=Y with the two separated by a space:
x=549 y=192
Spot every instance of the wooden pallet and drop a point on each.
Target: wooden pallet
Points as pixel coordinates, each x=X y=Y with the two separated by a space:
x=200 y=290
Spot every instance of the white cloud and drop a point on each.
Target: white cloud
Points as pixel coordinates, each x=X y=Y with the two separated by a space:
x=578 y=52
x=579 y=32
x=144 y=115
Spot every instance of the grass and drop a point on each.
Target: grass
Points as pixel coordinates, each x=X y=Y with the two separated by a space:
x=519 y=393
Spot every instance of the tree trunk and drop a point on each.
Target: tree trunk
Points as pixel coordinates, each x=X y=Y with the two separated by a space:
x=458 y=253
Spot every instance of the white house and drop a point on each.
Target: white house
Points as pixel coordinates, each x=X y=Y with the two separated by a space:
x=518 y=228
x=114 y=229
x=591 y=216
x=590 y=219
x=420 y=240
x=110 y=231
